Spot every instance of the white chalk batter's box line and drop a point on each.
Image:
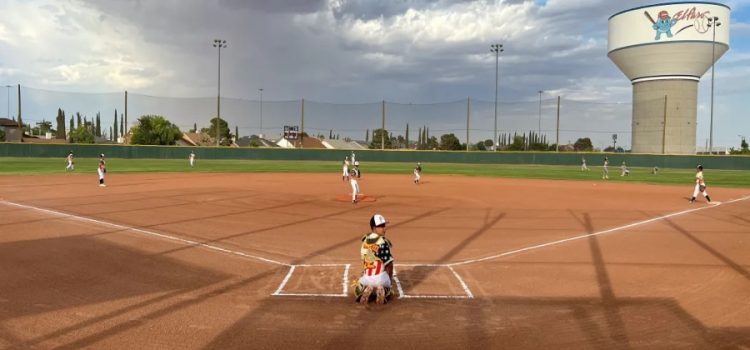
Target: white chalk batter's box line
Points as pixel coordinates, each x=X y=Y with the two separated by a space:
x=345 y=284
x=345 y=278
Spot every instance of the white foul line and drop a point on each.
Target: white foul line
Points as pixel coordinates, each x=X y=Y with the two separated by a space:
x=614 y=229
x=151 y=233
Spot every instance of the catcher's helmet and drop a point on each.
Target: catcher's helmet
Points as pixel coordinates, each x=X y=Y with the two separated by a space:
x=700 y=167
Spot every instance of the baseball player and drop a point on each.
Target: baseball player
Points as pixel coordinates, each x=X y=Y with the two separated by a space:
x=102 y=170
x=191 y=157
x=345 y=169
x=624 y=171
x=356 y=168
x=377 y=262
x=70 y=166
x=355 y=187
x=700 y=185
x=605 y=169
x=583 y=165
x=417 y=173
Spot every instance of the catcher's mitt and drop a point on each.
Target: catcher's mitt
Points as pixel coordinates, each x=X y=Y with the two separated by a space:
x=105 y=170
x=701 y=188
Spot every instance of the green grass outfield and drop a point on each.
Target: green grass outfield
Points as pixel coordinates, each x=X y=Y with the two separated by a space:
x=87 y=166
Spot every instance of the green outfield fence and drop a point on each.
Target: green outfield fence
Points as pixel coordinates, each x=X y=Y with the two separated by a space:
x=538 y=158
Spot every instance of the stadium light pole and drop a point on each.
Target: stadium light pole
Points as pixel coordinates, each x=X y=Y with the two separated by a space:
x=219 y=44
x=497 y=49
x=261 y=112
x=540 y=111
x=712 y=23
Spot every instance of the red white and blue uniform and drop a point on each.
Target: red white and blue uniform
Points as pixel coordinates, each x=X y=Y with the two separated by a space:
x=376 y=255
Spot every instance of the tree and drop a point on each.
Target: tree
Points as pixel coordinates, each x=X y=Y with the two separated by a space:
x=71 y=124
x=224 y=134
x=367 y=136
x=432 y=143
x=81 y=134
x=115 y=135
x=583 y=145
x=379 y=137
x=111 y=134
x=236 y=132
x=43 y=127
x=406 y=139
x=154 y=130
x=78 y=119
x=98 y=125
x=449 y=142
x=123 y=126
x=195 y=127
x=517 y=144
x=2 y=135
x=60 y=124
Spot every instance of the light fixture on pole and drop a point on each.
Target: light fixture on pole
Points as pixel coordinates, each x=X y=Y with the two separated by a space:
x=540 y=111
x=261 y=112
x=219 y=44
x=713 y=22
x=497 y=49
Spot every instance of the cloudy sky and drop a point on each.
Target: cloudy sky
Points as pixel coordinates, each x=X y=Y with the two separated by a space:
x=344 y=56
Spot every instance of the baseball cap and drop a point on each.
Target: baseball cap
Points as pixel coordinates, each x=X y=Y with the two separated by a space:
x=377 y=220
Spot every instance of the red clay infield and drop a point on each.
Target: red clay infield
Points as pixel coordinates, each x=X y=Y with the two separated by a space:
x=192 y=261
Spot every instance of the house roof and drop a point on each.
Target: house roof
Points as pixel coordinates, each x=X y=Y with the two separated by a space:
x=197 y=139
x=8 y=123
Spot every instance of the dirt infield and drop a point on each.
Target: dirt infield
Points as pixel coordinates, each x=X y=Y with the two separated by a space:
x=264 y=261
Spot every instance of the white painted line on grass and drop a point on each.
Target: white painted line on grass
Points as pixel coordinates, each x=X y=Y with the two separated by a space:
x=614 y=229
x=147 y=232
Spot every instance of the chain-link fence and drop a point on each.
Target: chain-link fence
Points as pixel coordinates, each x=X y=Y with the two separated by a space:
x=472 y=117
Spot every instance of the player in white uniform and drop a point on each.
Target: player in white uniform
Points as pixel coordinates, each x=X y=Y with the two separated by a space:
x=583 y=165
x=345 y=169
x=355 y=187
x=417 y=173
x=700 y=185
x=377 y=261
x=624 y=171
x=605 y=169
x=191 y=157
x=70 y=166
x=102 y=169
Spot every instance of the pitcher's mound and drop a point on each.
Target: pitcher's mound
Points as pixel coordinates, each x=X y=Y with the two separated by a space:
x=360 y=198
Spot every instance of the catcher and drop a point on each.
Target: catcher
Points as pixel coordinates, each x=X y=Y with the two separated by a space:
x=700 y=185
x=375 y=282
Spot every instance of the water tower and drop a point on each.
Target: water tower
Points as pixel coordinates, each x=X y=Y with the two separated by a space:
x=664 y=49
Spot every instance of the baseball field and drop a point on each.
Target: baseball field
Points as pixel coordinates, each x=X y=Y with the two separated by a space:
x=261 y=255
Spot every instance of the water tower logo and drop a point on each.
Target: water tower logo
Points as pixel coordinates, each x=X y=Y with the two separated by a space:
x=664 y=23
